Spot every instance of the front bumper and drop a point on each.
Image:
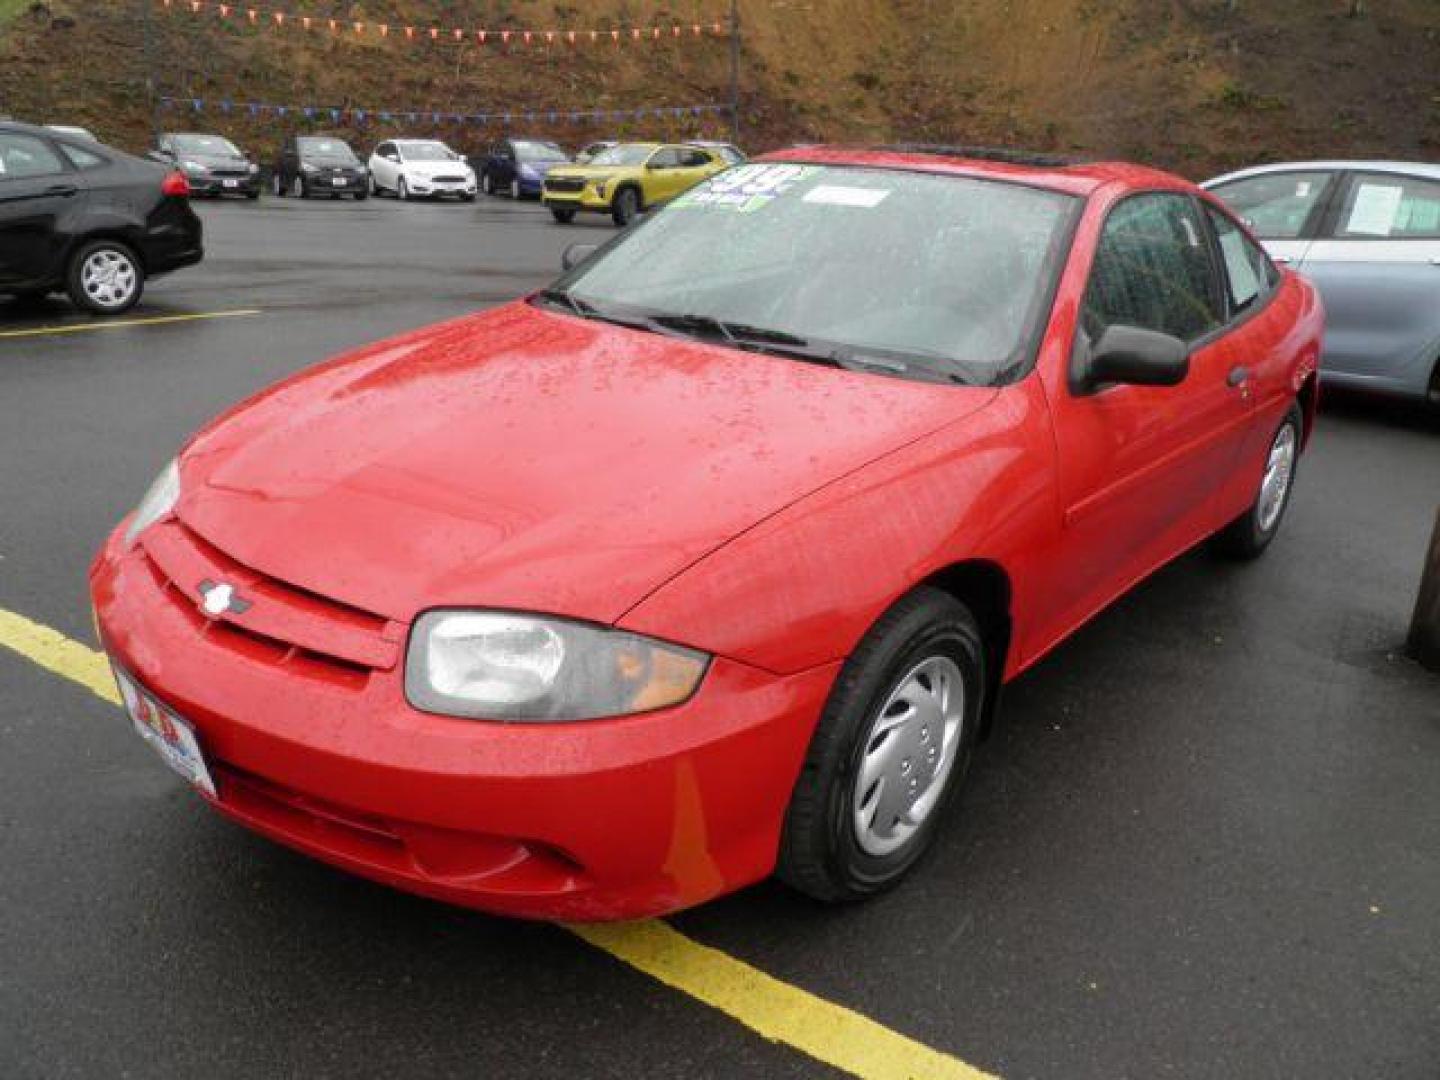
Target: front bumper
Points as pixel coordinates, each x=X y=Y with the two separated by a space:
x=598 y=820
x=223 y=185
x=584 y=200
x=440 y=188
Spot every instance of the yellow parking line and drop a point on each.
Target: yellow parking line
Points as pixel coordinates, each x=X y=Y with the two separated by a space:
x=773 y=1009
x=117 y=324
x=780 y=1012
x=55 y=652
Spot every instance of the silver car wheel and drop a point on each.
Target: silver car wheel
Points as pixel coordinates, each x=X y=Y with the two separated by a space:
x=908 y=756
x=1279 y=471
x=109 y=278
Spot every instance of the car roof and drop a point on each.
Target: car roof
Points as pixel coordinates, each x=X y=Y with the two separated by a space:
x=403 y=142
x=1079 y=178
x=1409 y=168
x=29 y=129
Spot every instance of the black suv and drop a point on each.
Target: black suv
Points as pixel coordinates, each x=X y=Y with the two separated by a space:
x=88 y=219
x=319 y=165
x=212 y=164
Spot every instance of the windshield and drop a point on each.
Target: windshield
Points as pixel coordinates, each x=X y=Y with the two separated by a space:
x=623 y=155
x=206 y=144
x=326 y=149
x=427 y=151
x=539 y=151
x=946 y=276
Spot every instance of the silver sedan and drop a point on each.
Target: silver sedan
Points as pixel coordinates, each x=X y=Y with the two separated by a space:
x=1368 y=234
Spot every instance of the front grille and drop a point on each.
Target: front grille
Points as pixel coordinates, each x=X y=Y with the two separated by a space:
x=279 y=623
x=230 y=173
x=448 y=179
x=564 y=184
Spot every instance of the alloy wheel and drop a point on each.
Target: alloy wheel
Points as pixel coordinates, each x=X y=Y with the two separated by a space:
x=1279 y=471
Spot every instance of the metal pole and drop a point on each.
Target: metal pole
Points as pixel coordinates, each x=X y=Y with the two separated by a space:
x=1424 y=642
x=735 y=71
x=147 y=22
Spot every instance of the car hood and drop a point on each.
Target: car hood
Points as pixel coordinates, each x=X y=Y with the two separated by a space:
x=436 y=168
x=528 y=459
x=216 y=161
x=543 y=167
x=594 y=172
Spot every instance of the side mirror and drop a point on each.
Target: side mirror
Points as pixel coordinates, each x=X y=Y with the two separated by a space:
x=576 y=254
x=1132 y=356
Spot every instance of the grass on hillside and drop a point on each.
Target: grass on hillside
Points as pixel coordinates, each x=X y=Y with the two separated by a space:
x=10 y=8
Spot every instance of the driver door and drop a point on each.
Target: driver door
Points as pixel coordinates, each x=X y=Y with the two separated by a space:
x=1141 y=467
x=664 y=178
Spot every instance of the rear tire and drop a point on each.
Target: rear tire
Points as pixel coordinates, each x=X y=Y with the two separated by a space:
x=564 y=217
x=862 y=815
x=626 y=206
x=104 y=278
x=1250 y=534
x=361 y=196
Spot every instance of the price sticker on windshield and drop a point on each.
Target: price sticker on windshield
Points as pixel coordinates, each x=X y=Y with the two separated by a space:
x=747 y=188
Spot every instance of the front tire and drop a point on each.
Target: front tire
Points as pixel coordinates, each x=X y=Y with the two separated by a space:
x=892 y=748
x=1250 y=534
x=627 y=205
x=105 y=278
x=402 y=190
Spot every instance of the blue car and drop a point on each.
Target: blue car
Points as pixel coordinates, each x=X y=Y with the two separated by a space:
x=517 y=167
x=1367 y=233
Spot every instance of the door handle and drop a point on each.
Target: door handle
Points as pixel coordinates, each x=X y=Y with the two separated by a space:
x=63 y=190
x=1239 y=376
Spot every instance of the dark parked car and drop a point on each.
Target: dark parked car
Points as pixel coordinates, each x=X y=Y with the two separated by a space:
x=518 y=166
x=212 y=165
x=319 y=165
x=86 y=218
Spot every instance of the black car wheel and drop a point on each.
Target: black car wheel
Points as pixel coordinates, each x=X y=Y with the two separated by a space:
x=104 y=277
x=892 y=748
x=1250 y=534
x=277 y=186
x=487 y=182
x=564 y=217
x=402 y=190
x=627 y=205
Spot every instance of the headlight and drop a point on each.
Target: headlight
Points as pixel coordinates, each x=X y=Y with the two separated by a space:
x=193 y=167
x=306 y=167
x=503 y=666
x=158 y=502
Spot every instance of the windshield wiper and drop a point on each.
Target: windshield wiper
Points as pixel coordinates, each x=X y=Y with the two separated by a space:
x=586 y=310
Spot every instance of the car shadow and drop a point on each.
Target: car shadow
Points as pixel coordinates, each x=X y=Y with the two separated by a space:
x=1403 y=414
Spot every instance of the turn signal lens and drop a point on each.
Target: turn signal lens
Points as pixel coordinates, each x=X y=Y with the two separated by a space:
x=175 y=184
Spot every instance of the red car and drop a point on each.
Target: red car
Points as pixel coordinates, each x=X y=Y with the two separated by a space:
x=709 y=561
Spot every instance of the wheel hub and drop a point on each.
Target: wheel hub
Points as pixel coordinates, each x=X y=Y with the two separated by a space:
x=908 y=755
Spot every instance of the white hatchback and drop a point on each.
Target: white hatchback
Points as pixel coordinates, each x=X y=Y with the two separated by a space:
x=420 y=168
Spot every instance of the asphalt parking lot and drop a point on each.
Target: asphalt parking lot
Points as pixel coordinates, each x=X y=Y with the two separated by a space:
x=1204 y=842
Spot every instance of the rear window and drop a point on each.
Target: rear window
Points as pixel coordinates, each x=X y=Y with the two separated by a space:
x=80 y=157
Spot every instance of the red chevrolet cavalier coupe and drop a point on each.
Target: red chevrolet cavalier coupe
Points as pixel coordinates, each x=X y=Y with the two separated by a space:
x=710 y=560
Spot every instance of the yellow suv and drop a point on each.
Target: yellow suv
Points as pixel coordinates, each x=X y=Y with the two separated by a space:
x=626 y=179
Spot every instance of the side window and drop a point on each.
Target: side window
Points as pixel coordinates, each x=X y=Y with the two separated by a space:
x=23 y=155
x=1249 y=273
x=80 y=157
x=1153 y=270
x=1276 y=206
x=1390 y=208
x=667 y=158
x=694 y=159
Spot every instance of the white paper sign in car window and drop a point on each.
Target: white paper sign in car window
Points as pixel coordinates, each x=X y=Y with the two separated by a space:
x=1374 y=211
x=834 y=195
x=747 y=188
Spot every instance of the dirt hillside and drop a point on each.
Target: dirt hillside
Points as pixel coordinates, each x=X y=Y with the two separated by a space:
x=1194 y=85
